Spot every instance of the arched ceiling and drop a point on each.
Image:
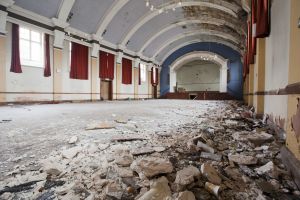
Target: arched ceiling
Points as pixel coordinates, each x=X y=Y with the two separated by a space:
x=131 y=26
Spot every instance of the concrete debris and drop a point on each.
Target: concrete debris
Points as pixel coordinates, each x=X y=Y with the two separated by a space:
x=70 y=153
x=159 y=190
x=242 y=159
x=211 y=174
x=213 y=151
x=211 y=156
x=187 y=175
x=101 y=125
x=270 y=169
x=205 y=147
x=186 y=195
x=151 y=166
x=73 y=140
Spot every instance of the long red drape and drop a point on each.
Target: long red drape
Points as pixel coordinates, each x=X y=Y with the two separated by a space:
x=126 y=71
x=250 y=45
x=106 y=65
x=79 y=61
x=140 y=82
x=15 y=50
x=263 y=19
x=47 y=69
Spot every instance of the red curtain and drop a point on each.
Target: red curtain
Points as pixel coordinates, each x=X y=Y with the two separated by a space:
x=126 y=71
x=47 y=69
x=140 y=74
x=79 y=61
x=107 y=63
x=263 y=19
x=15 y=53
x=250 y=45
x=156 y=74
x=152 y=77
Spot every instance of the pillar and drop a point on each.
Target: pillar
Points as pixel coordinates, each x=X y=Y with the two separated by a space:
x=57 y=74
x=251 y=85
x=259 y=76
x=95 y=89
x=292 y=141
x=172 y=80
x=2 y=68
x=223 y=79
x=118 y=80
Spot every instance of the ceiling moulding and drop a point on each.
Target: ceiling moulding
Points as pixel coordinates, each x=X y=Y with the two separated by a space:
x=200 y=33
x=109 y=15
x=27 y=17
x=151 y=14
x=7 y=3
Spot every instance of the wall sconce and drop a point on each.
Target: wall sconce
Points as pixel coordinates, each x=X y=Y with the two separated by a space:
x=299 y=22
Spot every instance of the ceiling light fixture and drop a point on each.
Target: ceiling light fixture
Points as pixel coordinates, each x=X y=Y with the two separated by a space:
x=175 y=3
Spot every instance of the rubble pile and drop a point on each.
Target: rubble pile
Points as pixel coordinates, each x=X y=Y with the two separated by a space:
x=225 y=154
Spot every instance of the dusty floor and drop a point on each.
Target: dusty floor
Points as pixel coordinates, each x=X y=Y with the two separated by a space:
x=35 y=149
x=36 y=130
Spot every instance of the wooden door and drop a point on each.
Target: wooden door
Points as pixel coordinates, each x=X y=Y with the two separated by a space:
x=106 y=90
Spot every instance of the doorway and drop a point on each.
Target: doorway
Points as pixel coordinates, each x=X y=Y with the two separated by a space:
x=106 y=90
x=154 y=92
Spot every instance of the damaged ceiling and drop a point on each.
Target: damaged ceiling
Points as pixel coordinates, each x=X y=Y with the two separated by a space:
x=130 y=24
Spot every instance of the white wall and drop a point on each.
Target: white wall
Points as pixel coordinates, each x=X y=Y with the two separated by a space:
x=199 y=77
x=277 y=58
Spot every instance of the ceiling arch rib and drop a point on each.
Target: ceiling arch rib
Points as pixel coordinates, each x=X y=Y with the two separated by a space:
x=196 y=55
x=182 y=23
x=200 y=33
x=168 y=51
x=212 y=21
x=218 y=5
x=111 y=12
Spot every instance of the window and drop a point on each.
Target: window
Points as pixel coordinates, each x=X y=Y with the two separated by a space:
x=143 y=72
x=31 y=47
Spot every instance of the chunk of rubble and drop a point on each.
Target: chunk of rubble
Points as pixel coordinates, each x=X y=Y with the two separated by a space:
x=186 y=195
x=53 y=169
x=242 y=159
x=205 y=147
x=159 y=149
x=124 y=172
x=71 y=153
x=211 y=174
x=142 y=151
x=114 y=190
x=101 y=125
x=151 y=166
x=211 y=156
x=159 y=190
x=187 y=175
x=260 y=138
x=269 y=169
x=124 y=160
x=121 y=120
x=73 y=140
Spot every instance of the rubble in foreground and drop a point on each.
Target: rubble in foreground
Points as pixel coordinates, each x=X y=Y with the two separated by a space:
x=226 y=154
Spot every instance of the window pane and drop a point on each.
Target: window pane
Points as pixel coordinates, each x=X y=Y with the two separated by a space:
x=24 y=33
x=36 y=51
x=35 y=36
x=24 y=49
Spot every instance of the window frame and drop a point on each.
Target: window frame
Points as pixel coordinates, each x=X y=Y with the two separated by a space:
x=30 y=62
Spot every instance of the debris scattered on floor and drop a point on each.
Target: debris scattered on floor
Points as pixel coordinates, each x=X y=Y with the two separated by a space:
x=225 y=154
